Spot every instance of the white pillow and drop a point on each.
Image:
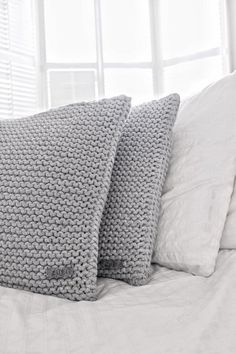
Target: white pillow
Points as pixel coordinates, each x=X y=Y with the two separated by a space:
x=229 y=234
x=200 y=180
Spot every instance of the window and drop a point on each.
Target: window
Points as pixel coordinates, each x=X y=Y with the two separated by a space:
x=193 y=38
x=143 y=48
x=54 y=52
x=18 y=74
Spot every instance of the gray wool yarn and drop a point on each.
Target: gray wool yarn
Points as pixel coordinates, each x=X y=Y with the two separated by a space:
x=130 y=217
x=55 y=172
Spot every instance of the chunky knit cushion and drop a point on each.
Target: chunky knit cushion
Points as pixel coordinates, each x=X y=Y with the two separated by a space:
x=131 y=212
x=55 y=172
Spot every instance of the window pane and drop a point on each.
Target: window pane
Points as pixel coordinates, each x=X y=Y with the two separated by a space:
x=71 y=86
x=188 y=78
x=70 y=31
x=126 y=30
x=136 y=83
x=189 y=26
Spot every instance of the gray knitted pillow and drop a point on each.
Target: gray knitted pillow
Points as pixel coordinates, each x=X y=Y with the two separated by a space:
x=132 y=208
x=55 y=172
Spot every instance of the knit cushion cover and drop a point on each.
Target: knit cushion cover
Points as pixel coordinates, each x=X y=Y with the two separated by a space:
x=131 y=212
x=55 y=170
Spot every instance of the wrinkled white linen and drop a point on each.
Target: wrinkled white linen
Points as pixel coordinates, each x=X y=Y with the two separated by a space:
x=176 y=313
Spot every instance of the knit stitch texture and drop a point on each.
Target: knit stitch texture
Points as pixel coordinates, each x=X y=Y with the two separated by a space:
x=55 y=170
x=130 y=217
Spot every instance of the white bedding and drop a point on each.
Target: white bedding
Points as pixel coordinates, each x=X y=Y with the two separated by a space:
x=175 y=313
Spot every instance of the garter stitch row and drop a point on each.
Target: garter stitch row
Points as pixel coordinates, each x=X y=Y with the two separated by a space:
x=55 y=172
x=129 y=221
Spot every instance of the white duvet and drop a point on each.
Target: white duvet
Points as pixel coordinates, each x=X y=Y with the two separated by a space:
x=175 y=313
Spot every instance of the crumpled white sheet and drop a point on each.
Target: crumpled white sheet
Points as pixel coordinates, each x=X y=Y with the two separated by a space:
x=176 y=313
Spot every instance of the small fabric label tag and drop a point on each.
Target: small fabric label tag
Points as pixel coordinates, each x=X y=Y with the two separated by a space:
x=111 y=264
x=59 y=272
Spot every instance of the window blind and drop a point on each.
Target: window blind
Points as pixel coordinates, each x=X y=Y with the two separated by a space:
x=18 y=71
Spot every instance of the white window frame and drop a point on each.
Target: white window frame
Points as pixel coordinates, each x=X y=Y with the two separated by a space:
x=157 y=64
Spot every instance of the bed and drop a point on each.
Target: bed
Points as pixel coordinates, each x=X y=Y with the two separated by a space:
x=187 y=305
x=175 y=312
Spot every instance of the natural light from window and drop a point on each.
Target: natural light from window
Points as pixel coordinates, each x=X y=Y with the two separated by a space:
x=138 y=47
x=54 y=52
